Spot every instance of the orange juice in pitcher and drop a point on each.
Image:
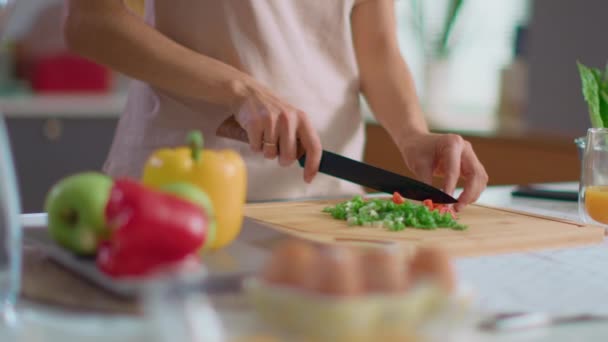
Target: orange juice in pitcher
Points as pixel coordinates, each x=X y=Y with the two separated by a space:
x=596 y=203
x=593 y=194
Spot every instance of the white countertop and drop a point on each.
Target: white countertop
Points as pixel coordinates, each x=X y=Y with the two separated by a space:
x=500 y=284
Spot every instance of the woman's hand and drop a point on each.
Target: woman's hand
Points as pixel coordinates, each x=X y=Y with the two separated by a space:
x=448 y=156
x=274 y=127
x=389 y=88
x=162 y=62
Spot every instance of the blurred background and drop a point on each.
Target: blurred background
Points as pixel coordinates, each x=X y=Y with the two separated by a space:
x=500 y=72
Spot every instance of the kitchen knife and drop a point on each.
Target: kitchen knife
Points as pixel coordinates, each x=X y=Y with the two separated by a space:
x=353 y=171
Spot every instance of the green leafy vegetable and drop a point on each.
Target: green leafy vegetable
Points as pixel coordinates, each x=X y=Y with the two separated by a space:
x=383 y=213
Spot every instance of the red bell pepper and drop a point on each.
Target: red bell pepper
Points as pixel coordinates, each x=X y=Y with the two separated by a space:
x=397 y=198
x=149 y=230
x=442 y=208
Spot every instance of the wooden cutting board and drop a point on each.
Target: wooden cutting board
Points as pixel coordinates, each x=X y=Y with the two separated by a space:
x=490 y=230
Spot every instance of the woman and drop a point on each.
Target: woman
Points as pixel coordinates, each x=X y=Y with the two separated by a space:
x=287 y=69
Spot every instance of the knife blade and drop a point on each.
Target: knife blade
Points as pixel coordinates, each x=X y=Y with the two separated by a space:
x=353 y=171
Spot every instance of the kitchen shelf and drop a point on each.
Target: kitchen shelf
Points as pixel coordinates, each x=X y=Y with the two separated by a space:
x=63 y=105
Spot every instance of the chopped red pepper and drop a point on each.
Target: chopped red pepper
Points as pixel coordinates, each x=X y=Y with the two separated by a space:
x=442 y=208
x=150 y=230
x=428 y=203
x=452 y=212
x=397 y=198
x=446 y=209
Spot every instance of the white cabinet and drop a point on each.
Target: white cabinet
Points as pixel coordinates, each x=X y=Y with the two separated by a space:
x=53 y=137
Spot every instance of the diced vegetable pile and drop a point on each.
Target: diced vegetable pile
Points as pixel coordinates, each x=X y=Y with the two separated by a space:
x=396 y=214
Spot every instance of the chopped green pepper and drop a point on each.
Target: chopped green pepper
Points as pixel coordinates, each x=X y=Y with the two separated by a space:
x=382 y=213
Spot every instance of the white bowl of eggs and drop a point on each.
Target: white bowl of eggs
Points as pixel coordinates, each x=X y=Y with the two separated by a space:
x=338 y=293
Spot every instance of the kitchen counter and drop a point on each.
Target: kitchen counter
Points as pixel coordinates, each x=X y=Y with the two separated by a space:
x=495 y=294
x=563 y=280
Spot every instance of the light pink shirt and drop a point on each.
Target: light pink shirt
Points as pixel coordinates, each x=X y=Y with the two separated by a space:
x=300 y=49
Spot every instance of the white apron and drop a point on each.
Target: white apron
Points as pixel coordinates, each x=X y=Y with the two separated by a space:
x=300 y=49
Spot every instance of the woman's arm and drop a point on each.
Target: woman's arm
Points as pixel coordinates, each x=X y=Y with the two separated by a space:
x=389 y=88
x=386 y=81
x=107 y=32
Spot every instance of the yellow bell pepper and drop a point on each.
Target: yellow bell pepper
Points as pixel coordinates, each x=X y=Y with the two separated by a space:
x=220 y=173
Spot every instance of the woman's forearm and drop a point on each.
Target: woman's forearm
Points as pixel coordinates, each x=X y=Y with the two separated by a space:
x=385 y=79
x=106 y=32
x=390 y=91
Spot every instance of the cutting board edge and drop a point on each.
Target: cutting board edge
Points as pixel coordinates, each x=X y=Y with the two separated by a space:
x=540 y=216
x=574 y=243
x=594 y=236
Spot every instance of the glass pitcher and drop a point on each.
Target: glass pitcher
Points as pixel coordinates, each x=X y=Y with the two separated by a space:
x=10 y=226
x=593 y=192
x=10 y=231
x=178 y=309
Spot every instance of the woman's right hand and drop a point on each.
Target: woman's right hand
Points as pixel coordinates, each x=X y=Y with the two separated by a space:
x=274 y=127
x=162 y=62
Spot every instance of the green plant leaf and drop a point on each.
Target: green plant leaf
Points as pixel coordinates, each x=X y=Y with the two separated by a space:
x=603 y=95
x=591 y=88
x=450 y=20
x=602 y=81
x=597 y=74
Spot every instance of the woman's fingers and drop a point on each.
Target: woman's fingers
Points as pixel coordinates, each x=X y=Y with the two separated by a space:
x=450 y=156
x=247 y=118
x=424 y=172
x=270 y=142
x=312 y=146
x=274 y=128
x=287 y=138
x=476 y=178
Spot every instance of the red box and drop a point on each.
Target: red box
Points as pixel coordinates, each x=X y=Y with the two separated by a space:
x=68 y=73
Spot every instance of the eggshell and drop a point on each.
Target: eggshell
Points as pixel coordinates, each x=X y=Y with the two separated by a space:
x=432 y=264
x=293 y=263
x=340 y=272
x=383 y=270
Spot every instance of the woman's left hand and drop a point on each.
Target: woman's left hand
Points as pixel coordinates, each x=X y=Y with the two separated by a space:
x=389 y=89
x=448 y=156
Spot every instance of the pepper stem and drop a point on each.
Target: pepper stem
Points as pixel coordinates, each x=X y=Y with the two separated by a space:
x=195 y=141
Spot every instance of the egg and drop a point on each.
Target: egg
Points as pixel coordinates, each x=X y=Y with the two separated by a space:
x=340 y=272
x=383 y=270
x=293 y=263
x=432 y=264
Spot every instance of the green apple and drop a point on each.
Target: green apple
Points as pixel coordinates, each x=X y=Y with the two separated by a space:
x=75 y=207
x=195 y=195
